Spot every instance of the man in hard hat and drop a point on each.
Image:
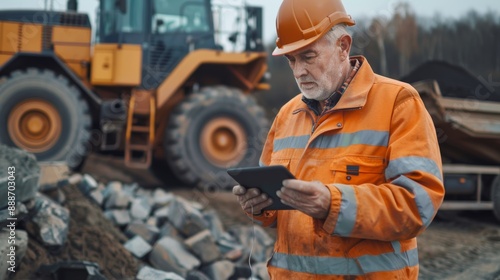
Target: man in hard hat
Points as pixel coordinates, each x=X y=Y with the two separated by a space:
x=363 y=149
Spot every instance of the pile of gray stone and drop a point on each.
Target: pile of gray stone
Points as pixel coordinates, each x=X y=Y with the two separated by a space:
x=177 y=238
x=172 y=237
x=21 y=201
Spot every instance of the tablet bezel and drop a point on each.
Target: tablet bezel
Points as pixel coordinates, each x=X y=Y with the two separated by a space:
x=268 y=179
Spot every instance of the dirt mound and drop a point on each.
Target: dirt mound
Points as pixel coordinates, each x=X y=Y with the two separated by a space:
x=91 y=238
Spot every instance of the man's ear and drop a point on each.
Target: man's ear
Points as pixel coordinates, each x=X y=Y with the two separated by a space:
x=345 y=45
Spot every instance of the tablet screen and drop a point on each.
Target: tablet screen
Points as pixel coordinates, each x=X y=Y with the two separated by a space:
x=268 y=179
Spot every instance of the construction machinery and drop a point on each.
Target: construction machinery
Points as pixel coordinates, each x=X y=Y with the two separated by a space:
x=155 y=83
x=466 y=113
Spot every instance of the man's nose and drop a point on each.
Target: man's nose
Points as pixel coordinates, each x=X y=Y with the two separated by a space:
x=299 y=69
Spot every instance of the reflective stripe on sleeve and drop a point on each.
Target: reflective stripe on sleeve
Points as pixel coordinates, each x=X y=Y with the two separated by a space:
x=396 y=245
x=406 y=165
x=422 y=199
x=348 y=211
x=345 y=266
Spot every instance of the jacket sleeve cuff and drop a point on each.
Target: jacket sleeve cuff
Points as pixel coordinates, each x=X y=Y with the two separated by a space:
x=265 y=219
x=331 y=219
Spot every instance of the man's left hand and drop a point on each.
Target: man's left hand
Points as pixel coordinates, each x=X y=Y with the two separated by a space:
x=311 y=198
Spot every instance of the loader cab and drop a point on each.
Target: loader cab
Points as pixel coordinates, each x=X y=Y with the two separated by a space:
x=167 y=30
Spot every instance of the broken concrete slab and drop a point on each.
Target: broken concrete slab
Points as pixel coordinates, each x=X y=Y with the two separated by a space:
x=97 y=196
x=49 y=224
x=112 y=187
x=117 y=200
x=227 y=243
x=161 y=215
x=195 y=204
x=188 y=220
x=170 y=255
x=74 y=179
x=167 y=229
x=233 y=255
x=221 y=270
x=138 y=247
x=19 y=174
x=152 y=221
x=52 y=173
x=260 y=270
x=140 y=208
x=203 y=246
x=131 y=189
x=161 y=198
x=118 y=217
x=148 y=232
x=87 y=184
x=142 y=192
x=59 y=184
x=214 y=223
x=149 y=273
x=254 y=236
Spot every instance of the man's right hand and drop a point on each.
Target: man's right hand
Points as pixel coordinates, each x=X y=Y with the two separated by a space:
x=251 y=200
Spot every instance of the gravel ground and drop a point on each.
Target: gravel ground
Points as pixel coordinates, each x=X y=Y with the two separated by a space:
x=463 y=245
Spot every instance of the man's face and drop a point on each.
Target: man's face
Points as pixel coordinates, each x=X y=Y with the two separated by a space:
x=317 y=69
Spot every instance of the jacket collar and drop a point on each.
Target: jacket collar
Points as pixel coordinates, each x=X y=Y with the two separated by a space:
x=356 y=94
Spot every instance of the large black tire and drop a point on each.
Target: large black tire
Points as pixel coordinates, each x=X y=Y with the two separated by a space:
x=46 y=115
x=495 y=196
x=212 y=130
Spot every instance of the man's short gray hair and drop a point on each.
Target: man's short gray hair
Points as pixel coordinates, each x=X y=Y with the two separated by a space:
x=336 y=32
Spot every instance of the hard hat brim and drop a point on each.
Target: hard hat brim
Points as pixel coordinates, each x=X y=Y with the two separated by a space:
x=297 y=45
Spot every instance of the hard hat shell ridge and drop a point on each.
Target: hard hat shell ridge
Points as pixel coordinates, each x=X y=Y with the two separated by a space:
x=300 y=23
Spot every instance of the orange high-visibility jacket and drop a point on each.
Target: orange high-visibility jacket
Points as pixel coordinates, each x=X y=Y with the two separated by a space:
x=378 y=154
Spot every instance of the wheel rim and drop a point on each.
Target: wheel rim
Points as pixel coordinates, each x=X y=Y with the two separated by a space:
x=34 y=125
x=223 y=141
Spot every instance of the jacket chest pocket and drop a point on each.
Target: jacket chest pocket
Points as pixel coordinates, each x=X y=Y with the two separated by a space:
x=358 y=169
x=283 y=162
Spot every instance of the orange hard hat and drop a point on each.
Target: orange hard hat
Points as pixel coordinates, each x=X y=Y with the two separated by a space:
x=300 y=23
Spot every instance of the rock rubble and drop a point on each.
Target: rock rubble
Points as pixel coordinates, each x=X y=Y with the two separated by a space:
x=173 y=238
x=171 y=234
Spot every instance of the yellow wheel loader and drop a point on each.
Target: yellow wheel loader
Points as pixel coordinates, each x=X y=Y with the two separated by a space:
x=153 y=83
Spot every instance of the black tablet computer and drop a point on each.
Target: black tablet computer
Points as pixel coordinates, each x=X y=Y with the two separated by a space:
x=268 y=179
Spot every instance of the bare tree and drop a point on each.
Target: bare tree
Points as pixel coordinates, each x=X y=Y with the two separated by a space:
x=379 y=27
x=406 y=32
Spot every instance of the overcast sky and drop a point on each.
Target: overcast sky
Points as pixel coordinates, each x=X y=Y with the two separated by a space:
x=357 y=8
